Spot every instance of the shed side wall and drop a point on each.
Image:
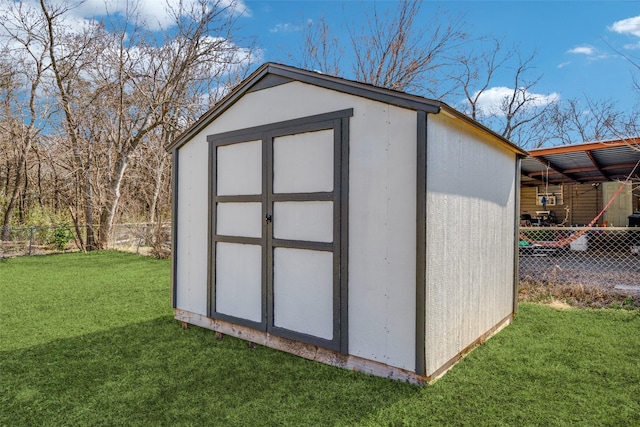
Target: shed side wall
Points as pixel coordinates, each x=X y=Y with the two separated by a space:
x=471 y=198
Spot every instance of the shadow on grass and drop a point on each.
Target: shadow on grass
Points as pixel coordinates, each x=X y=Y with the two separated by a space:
x=154 y=373
x=551 y=367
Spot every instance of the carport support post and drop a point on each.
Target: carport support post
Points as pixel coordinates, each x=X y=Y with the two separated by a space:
x=516 y=227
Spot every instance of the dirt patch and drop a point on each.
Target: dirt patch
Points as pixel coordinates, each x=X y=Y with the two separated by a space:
x=576 y=295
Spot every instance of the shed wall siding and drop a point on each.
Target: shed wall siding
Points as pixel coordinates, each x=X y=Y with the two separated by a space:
x=191 y=271
x=470 y=238
x=382 y=235
x=382 y=206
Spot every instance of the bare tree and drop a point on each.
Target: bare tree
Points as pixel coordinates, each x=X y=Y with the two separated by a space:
x=631 y=127
x=437 y=59
x=116 y=88
x=575 y=121
x=522 y=106
x=475 y=74
x=70 y=55
x=392 y=49
x=515 y=111
x=23 y=111
x=321 y=50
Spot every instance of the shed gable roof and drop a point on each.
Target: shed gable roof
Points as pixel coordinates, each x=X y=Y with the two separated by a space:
x=271 y=75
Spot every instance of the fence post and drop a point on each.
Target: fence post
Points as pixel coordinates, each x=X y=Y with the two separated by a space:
x=142 y=234
x=30 y=239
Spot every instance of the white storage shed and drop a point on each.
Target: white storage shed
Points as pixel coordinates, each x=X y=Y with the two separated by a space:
x=358 y=226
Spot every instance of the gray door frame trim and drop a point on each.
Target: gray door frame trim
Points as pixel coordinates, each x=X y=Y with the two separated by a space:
x=287 y=127
x=339 y=122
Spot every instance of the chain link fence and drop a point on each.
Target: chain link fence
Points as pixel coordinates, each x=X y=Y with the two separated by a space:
x=606 y=257
x=144 y=238
x=147 y=239
x=21 y=241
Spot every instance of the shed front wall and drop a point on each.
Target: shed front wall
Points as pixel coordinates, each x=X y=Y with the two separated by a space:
x=191 y=237
x=382 y=207
x=471 y=202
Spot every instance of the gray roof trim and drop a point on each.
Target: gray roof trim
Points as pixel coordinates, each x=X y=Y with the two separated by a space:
x=284 y=72
x=364 y=90
x=226 y=102
x=461 y=116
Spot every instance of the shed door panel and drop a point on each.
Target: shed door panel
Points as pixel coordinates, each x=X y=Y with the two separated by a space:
x=277 y=234
x=239 y=280
x=307 y=221
x=303 y=291
x=303 y=163
x=239 y=219
x=239 y=169
x=237 y=249
x=303 y=232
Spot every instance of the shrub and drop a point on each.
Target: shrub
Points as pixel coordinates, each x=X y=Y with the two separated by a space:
x=61 y=237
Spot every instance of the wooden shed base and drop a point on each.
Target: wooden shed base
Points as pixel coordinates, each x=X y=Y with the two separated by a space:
x=325 y=356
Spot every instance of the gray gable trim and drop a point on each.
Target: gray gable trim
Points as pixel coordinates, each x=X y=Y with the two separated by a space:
x=271 y=74
x=284 y=74
x=268 y=81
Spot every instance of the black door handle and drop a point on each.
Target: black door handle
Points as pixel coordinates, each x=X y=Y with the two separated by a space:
x=268 y=218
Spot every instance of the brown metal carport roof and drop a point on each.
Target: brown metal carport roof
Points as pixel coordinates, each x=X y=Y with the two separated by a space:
x=583 y=163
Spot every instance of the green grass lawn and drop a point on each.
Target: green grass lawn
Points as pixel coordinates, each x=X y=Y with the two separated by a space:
x=89 y=339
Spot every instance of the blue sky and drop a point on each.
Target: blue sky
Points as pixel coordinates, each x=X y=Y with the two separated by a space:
x=576 y=41
x=571 y=37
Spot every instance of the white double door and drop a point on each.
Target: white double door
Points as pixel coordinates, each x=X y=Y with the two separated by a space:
x=275 y=231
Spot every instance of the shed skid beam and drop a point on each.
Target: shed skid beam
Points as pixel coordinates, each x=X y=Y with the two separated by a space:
x=304 y=350
x=330 y=357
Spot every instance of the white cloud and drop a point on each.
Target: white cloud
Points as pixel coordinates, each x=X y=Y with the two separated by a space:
x=627 y=26
x=156 y=15
x=564 y=64
x=152 y=14
x=238 y=7
x=285 y=28
x=583 y=50
x=491 y=100
x=75 y=19
x=590 y=52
